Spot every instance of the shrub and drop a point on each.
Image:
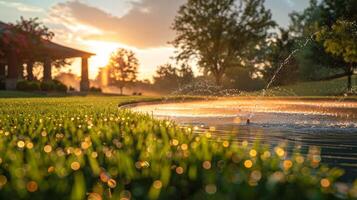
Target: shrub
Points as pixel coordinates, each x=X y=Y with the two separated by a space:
x=95 y=89
x=28 y=86
x=52 y=86
x=2 y=85
x=47 y=86
x=72 y=89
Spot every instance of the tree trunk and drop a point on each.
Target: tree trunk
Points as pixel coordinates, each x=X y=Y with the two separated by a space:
x=218 y=78
x=349 y=83
x=29 y=69
x=121 y=90
x=47 y=70
x=349 y=79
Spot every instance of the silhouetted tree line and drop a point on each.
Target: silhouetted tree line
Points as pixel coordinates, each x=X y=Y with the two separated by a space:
x=233 y=42
x=235 y=47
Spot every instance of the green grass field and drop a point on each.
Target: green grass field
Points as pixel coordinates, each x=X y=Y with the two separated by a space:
x=88 y=148
x=334 y=87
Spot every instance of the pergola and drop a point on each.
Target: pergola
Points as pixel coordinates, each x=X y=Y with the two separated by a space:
x=11 y=66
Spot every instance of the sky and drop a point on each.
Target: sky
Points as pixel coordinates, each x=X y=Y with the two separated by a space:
x=101 y=26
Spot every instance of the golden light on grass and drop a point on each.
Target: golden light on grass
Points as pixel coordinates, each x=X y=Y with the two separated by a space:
x=211 y=189
x=44 y=133
x=300 y=159
x=325 y=183
x=256 y=175
x=125 y=195
x=184 y=147
x=3 y=180
x=51 y=169
x=279 y=151
x=32 y=186
x=266 y=155
x=75 y=166
x=245 y=143
x=112 y=183
x=47 y=148
x=287 y=164
x=85 y=145
x=225 y=144
x=94 y=196
x=142 y=164
x=207 y=165
x=157 y=184
x=253 y=153
x=77 y=151
x=21 y=144
x=29 y=145
x=174 y=142
x=248 y=164
x=208 y=135
x=104 y=177
x=94 y=154
x=179 y=170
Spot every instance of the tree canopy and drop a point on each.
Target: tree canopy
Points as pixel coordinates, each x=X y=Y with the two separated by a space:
x=122 y=68
x=221 y=34
x=341 y=41
x=169 y=78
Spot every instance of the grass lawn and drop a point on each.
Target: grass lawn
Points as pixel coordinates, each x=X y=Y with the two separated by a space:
x=334 y=87
x=85 y=147
x=18 y=94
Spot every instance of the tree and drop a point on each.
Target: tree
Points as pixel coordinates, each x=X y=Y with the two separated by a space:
x=220 y=33
x=166 y=78
x=27 y=38
x=341 y=41
x=277 y=50
x=169 y=78
x=36 y=34
x=315 y=63
x=122 y=68
x=185 y=74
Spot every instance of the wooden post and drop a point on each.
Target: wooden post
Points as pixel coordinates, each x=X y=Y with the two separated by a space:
x=13 y=71
x=21 y=71
x=2 y=71
x=29 y=69
x=84 y=75
x=47 y=70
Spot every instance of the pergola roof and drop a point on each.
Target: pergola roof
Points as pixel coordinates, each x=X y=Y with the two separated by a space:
x=57 y=51
x=54 y=50
x=3 y=26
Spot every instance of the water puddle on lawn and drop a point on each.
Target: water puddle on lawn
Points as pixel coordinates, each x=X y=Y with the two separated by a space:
x=330 y=125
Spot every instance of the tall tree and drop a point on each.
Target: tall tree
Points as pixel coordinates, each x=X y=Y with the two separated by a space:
x=123 y=68
x=169 y=78
x=314 y=57
x=280 y=46
x=166 y=78
x=341 y=41
x=36 y=34
x=220 y=33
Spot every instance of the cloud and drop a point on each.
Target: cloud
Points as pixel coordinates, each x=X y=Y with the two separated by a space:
x=21 y=6
x=290 y=3
x=146 y=25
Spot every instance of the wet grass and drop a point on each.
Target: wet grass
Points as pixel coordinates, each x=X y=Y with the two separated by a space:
x=335 y=87
x=85 y=147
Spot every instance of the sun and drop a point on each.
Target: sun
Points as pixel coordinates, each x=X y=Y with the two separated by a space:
x=103 y=50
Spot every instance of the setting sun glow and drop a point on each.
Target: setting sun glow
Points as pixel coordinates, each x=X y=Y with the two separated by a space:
x=103 y=50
